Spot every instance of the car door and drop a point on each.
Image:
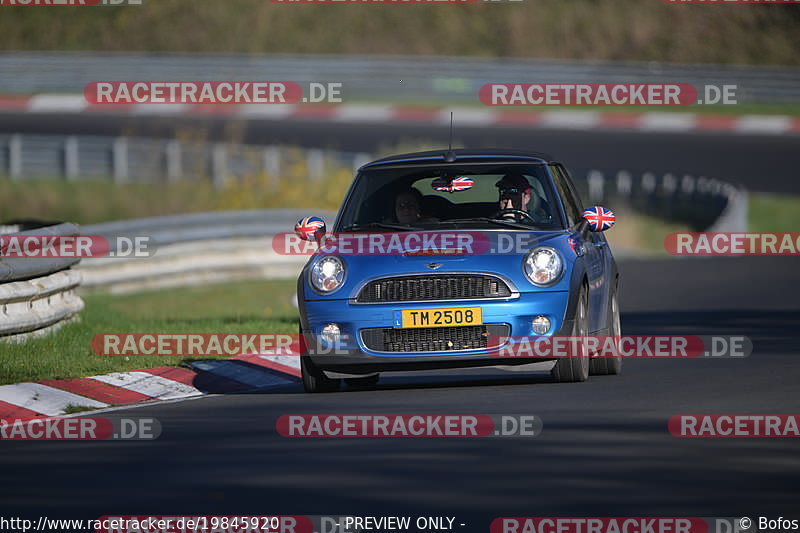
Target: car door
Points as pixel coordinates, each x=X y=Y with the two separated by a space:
x=595 y=248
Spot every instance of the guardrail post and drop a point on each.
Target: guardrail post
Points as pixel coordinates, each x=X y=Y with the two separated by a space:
x=15 y=157
x=624 y=182
x=119 y=159
x=596 y=181
x=71 y=163
x=668 y=183
x=315 y=162
x=687 y=184
x=649 y=182
x=172 y=153
x=271 y=163
x=219 y=165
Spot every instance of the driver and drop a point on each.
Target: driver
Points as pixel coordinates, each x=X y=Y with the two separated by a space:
x=515 y=192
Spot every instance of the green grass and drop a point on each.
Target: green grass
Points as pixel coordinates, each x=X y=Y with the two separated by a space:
x=639 y=233
x=579 y=29
x=88 y=202
x=72 y=409
x=773 y=213
x=245 y=307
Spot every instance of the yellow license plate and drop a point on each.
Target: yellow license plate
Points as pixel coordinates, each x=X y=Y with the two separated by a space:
x=436 y=318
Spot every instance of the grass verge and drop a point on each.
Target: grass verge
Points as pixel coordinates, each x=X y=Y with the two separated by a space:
x=578 y=29
x=245 y=307
x=773 y=213
x=638 y=233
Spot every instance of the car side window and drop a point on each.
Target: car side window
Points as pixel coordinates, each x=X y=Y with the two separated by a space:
x=573 y=190
x=572 y=205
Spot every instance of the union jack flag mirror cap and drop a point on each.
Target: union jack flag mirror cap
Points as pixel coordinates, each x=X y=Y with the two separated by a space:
x=599 y=218
x=461 y=183
x=307 y=227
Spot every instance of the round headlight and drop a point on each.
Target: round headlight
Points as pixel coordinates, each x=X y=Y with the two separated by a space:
x=543 y=265
x=327 y=274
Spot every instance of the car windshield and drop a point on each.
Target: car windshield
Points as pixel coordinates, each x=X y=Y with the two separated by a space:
x=468 y=196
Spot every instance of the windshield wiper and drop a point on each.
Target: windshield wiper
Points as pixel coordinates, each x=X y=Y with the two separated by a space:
x=357 y=227
x=498 y=221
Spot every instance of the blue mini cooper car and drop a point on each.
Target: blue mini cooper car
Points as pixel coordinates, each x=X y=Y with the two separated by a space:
x=441 y=257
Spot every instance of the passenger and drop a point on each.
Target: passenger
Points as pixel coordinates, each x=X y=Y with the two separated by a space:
x=408 y=207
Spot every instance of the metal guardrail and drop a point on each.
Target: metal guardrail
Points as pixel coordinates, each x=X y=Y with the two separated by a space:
x=135 y=159
x=447 y=80
x=14 y=269
x=197 y=248
x=694 y=200
x=701 y=203
x=37 y=295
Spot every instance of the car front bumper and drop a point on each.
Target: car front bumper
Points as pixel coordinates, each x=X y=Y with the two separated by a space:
x=351 y=356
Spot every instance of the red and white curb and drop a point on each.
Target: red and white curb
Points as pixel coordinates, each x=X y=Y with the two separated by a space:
x=679 y=122
x=58 y=397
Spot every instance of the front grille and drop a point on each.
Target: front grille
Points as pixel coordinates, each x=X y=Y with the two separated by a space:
x=445 y=339
x=441 y=287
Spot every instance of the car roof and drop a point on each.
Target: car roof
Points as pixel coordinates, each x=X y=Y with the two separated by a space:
x=461 y=155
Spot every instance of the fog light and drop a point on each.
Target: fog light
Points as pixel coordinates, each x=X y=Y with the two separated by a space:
x=541 y=325
x=331 y=333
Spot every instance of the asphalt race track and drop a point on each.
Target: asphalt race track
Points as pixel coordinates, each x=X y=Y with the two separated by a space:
x=604 y=450
x=760 y=163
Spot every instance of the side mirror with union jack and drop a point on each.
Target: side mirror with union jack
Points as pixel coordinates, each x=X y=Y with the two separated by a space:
x=310 y=228
x=599 y=218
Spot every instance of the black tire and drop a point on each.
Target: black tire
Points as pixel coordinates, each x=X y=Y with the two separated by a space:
x=314 y=380
x=362 y=383
x=575 y=369
x=609 y=366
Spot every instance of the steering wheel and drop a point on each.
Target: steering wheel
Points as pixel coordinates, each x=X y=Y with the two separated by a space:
x=519 y=214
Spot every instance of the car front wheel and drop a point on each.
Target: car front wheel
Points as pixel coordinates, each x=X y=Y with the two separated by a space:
x=610 y=366
x=576 y=368
x=314 y=379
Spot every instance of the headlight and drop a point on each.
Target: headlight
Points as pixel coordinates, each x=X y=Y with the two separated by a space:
x=327 y=274
x=543 y=266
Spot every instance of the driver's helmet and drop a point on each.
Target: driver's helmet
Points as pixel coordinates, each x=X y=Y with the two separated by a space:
x=514 y=184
